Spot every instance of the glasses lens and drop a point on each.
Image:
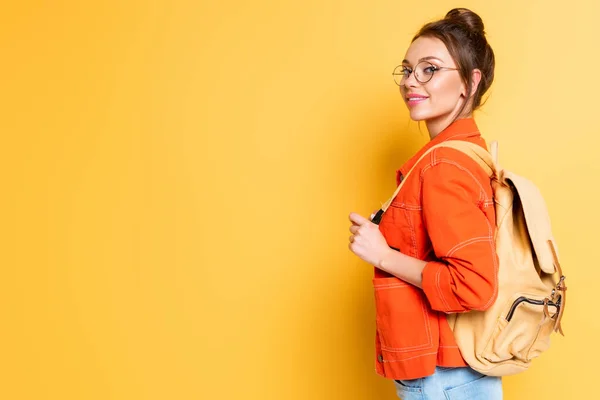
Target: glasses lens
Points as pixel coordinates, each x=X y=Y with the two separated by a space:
x=399 y=73
x=424 y=71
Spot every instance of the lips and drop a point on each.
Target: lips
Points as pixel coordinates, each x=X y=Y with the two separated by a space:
x=414 y=99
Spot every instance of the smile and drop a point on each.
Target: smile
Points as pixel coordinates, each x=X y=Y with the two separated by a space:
x=413 y=101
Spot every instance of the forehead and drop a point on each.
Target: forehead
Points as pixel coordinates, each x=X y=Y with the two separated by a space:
x=427 y=47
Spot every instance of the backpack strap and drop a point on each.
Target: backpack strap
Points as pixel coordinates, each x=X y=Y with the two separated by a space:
x=476 y=152
x=486 y=160
x=386 y=205
x=560 y=290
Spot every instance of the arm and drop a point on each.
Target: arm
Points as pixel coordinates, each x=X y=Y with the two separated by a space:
x=403 y=266
x=464 y=275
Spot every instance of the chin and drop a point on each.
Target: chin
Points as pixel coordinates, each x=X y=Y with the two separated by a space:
x=416 y=115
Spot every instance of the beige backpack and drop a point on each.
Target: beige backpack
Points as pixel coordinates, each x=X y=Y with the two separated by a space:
x=504 y=339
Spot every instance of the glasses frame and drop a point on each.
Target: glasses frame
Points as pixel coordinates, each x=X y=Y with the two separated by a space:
x=406 y=76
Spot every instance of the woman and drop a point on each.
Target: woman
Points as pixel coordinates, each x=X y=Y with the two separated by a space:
x=433 y=249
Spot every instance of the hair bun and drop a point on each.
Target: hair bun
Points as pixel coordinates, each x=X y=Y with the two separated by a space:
x=468 y=18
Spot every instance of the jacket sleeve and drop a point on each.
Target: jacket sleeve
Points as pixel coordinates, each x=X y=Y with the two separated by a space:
x=464 y=275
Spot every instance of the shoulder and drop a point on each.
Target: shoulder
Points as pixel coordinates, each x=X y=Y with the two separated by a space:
x=450 y=169
x=440 y=158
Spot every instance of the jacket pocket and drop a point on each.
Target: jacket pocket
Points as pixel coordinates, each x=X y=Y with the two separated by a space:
x=402 y=317
x=523 y=331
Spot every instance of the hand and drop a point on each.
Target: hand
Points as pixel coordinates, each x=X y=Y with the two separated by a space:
x=366 y=241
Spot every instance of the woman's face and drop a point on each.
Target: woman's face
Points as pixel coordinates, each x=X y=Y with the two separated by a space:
x=438 y=100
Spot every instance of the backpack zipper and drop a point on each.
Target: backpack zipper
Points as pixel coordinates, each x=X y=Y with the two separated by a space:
x=524 y=299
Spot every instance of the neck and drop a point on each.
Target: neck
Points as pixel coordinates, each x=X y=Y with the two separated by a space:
x=435 y=126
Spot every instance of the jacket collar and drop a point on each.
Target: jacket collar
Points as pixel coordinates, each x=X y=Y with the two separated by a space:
x=461 y=129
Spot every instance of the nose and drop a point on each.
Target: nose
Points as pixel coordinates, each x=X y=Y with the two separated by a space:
x=411 y=81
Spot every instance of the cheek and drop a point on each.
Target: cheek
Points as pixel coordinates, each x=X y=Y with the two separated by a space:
x=403 y=92
x=445 y=90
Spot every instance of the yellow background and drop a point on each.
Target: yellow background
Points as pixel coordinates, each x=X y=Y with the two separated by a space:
x=177 y=177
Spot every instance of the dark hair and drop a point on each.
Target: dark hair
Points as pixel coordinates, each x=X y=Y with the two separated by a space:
x=463 y=33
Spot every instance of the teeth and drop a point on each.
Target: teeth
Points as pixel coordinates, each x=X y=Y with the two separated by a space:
x=416 y=98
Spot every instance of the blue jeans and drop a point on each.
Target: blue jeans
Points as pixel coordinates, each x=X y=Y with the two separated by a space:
x=451 y=384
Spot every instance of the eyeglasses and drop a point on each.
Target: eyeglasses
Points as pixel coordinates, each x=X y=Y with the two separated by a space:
x=424 y=71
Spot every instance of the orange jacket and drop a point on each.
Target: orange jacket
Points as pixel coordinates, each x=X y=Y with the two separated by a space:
x=444 y=214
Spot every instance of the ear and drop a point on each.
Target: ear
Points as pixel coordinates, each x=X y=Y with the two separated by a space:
x=475 y=78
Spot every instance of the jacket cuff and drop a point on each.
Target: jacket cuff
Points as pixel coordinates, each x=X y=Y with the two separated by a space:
x=437 y=286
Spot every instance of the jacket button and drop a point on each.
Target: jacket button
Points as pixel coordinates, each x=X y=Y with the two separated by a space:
x=380 y=358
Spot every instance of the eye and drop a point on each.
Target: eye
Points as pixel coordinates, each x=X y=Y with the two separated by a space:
x=405 y=71
x=430 y=70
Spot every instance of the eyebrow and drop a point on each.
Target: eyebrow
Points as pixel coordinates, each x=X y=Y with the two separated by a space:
x=405 y=61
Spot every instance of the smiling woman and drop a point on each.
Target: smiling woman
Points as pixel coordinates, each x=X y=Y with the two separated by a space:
x=433 y=248
x=456 y=43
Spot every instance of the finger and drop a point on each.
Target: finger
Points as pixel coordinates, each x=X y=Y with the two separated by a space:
x=354 y=228
x=358 y=219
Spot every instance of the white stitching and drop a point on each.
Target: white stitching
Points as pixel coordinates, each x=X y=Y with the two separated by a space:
x=425 y=319
x=457 y=165
x=406 y=206
x=415 y=347
x=413 y=235
x=437 y=284
x=466 y=243
x=410 y=358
